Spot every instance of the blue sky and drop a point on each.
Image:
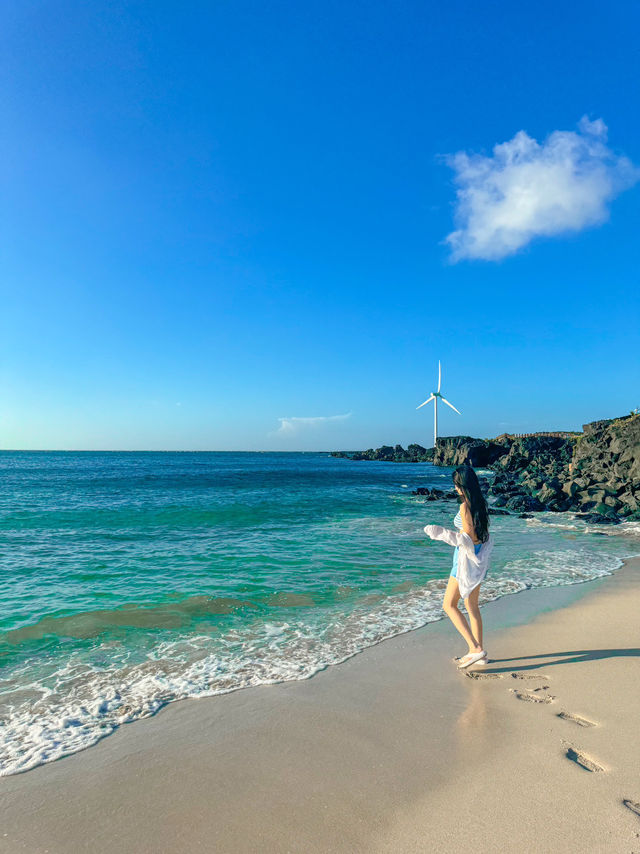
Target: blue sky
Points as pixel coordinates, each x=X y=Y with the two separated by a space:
x=242 y=226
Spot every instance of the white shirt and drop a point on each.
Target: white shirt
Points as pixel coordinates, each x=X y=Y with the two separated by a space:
x=472 y=567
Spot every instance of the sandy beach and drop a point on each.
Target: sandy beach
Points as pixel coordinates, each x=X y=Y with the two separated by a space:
x=391 y=751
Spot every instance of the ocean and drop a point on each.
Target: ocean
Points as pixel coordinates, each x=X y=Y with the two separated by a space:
x=130 y=580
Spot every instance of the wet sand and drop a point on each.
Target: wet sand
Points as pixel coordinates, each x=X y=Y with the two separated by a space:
x=392 y=751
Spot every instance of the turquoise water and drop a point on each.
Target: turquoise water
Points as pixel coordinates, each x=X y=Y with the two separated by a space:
x=128 y=580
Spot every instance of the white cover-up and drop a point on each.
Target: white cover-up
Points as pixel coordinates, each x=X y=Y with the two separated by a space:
x=472 y=567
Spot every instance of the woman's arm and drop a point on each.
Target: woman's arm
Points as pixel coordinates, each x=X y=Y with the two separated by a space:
x=437 y=532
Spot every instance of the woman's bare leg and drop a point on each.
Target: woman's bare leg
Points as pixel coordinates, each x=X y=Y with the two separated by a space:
x=450 y=606
x=473 y=610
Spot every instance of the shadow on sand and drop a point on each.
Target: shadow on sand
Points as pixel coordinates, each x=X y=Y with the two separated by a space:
x=544 y=660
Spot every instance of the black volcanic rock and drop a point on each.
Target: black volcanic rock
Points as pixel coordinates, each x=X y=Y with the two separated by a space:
x=418 y=454
x=504 y=484
x=606 y=466
x=524 y=504
x=557 y=505
x=597 y=519
x=434 y=494
x=389 y=454
x=458 y=450
x=630 y=503
x=596 y=472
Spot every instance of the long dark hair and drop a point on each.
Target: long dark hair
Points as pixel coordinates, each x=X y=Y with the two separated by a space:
x=465 y=478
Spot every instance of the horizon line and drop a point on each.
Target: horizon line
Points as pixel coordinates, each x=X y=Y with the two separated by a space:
x=161 y=451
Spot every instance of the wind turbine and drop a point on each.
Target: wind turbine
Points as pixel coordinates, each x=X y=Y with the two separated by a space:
x=434 y=397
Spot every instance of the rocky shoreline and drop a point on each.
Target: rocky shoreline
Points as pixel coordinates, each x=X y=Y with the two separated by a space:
x=595 y=473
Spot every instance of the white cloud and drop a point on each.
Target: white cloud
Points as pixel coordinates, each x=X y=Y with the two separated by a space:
x=295 y=425
x=529 y=189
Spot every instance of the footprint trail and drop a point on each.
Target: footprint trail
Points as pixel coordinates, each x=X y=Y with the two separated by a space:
x=575 y=719
x=582 y=760
x=634 y=806
x=533 y=696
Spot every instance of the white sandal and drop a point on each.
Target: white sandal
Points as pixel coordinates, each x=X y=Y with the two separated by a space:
x=473 y=658
x=484 y=660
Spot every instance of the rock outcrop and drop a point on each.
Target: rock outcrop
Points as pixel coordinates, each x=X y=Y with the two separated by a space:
x=604 y=474
x=595 y=473
x=390 y=454
x=457 y=450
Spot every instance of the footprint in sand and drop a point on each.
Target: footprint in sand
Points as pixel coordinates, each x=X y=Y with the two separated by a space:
x=582 y=760
x=634 y=806
x=576 y=719
x=528 y=676
x=475 y=674
x=533 y=696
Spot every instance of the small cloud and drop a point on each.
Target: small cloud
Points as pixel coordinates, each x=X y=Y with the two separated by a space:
x=529 y=189
x=178 y=404
x=294 y=425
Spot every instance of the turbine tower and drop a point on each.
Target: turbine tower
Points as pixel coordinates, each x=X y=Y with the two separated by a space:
x=434 y=397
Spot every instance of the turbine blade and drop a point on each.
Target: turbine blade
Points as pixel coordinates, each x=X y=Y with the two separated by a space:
x=439 y=375
x=426 y=401
x=444 y=400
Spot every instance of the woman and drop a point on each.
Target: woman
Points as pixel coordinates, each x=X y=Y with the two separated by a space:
x=470 y=562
